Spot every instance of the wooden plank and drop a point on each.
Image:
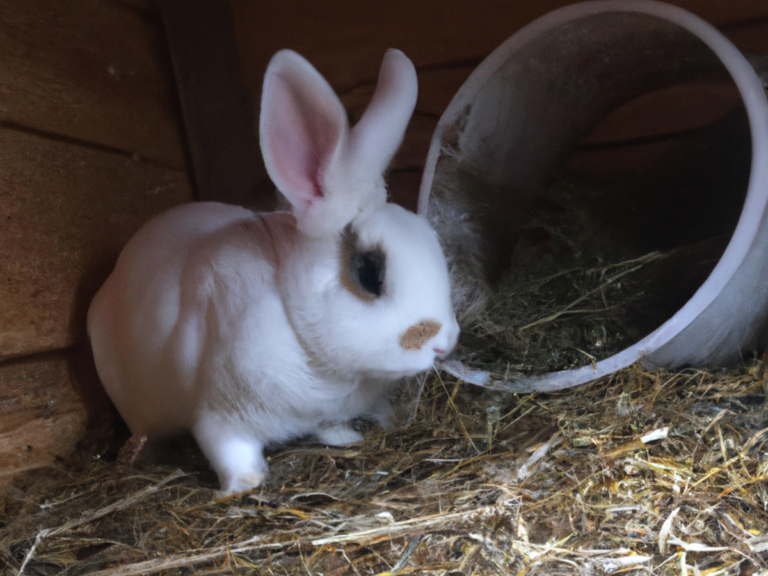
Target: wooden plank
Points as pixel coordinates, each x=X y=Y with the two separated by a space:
x=148 y=7
x=66 y=212
x=92 y=71
x=668 y=111
x=749 y=36
x=672 y=110
x=41 y=414
x=346 y=39
x=218 y=111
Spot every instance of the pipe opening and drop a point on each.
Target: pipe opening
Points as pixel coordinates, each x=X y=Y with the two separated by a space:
x=590 y=176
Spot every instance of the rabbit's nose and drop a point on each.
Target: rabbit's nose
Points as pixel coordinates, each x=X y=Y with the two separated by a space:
x=419 y=334
x=445 y=342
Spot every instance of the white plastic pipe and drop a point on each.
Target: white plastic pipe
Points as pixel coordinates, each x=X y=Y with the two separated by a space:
x=521 y=110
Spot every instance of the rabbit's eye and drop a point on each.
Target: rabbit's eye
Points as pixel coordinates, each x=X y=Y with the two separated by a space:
x=363 y=268
x=369 y=268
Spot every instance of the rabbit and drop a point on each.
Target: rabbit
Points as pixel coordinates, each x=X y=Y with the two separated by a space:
x=252 y=329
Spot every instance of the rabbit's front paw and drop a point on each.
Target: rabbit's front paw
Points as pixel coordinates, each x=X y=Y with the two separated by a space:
x=240 y=465
x=237 y=459
x=242 y=483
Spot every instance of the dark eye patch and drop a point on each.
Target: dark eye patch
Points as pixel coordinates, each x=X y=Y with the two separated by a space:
x=363 y=268
x=369 y=270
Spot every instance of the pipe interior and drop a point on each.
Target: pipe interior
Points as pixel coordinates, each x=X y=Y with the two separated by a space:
x=604 y=140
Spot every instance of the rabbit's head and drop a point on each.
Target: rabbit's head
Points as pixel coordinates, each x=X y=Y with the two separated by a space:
x=366 y=286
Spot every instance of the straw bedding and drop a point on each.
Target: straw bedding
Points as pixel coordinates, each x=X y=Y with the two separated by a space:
x=639 y=473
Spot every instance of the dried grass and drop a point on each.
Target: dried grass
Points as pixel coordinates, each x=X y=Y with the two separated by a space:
x=639 y=473
x=578 y=288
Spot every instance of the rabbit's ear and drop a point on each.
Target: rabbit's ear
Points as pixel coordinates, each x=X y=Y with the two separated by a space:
x=378 y=134
x=302 y=130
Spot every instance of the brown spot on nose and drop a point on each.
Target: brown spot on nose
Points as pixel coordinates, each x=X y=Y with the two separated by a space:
x=418 y=334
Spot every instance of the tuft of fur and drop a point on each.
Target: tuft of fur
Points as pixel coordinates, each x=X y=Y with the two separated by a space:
x=457 y=216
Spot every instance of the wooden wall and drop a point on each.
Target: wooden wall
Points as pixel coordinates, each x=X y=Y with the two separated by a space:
x=91 y=145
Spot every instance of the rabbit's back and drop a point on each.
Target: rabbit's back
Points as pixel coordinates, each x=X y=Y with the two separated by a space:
x=188 y=295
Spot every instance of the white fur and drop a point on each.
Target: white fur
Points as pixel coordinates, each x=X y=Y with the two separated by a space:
x=236 y=325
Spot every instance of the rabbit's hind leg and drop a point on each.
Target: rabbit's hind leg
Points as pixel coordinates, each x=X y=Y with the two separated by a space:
x=338 y=434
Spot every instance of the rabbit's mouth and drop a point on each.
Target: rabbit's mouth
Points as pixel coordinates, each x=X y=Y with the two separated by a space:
x=410 y=366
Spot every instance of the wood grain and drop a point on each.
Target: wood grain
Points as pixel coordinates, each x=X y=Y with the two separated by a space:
x=41 y=414
x=91 y=71
x=217 y=108
x=346 y=39
x=66 y=212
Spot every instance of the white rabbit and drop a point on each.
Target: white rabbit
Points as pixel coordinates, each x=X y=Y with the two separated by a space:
x=252 y=329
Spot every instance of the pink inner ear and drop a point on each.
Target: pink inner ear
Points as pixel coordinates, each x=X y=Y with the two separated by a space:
x=300 y=150
x=297 y=168
x=302 y=124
